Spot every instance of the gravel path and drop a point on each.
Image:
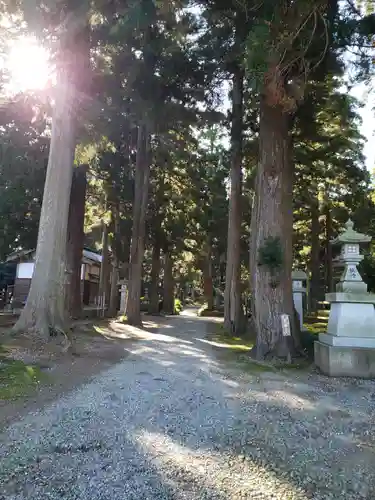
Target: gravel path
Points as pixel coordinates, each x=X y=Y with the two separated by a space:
x=170 y=422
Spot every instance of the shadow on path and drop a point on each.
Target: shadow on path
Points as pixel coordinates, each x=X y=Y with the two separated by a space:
x=172 y=421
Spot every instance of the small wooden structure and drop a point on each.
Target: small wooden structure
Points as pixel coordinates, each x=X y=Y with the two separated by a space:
x=90 y=274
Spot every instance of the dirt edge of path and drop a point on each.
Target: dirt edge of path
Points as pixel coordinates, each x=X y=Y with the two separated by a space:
x=99 y=344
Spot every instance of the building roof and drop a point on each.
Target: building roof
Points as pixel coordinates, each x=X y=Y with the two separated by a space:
x=87 y=256
x=18 y=254
x=93 y=256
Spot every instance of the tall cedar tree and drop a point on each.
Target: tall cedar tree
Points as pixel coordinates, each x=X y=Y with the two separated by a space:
x=45 y=310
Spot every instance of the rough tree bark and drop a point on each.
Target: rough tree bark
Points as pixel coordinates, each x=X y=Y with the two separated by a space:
x=158 y=238
x=75 y=241
x=233 y=319
x=315 y=251
x=45 y=309
x=104 y=285
x=44 y=312
x=142 y=175
x=208 y=286
x=168 y=288
x=272 y=216
x=284 y=83
x=114 y=289
x=155 y=276
x=328 y=252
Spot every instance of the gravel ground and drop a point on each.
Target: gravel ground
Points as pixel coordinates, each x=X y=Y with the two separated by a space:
x=170 y=422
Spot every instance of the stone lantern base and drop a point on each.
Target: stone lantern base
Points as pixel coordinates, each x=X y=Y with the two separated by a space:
x=352 y=316
x=348 y=347
x=338 y=361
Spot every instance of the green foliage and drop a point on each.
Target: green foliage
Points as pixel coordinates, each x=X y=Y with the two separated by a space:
x=23 y=156
x=313 y=325
x=367 y=270
x=284 y=43
x=328 y=153
x=257 y=45
x=177 y=306
x=271 y=254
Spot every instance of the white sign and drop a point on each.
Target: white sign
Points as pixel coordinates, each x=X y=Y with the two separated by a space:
x=285 y=325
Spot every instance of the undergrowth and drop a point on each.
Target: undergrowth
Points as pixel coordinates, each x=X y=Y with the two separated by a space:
x=177 y=306
x=18 y=379
x=236 y=350
x=317 y=322
x=223 y=337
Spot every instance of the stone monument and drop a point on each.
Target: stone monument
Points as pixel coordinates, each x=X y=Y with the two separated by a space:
x=123 y=296
x=298 y=279
x=348 y=347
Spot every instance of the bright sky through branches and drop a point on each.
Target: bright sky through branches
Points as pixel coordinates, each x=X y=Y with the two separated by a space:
x=368 y=122
x=27 y=66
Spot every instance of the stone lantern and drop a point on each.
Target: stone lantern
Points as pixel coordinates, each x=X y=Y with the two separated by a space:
x=350 y=257
x=348 y=347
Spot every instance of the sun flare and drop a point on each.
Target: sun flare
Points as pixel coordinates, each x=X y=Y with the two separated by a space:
x=27 y=64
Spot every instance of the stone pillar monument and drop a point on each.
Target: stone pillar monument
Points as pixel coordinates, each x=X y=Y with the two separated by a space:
x=298 y=277
x=123 y=297
x=348 y=347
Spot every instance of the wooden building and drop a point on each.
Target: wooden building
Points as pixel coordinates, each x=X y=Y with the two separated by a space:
x=90 y=275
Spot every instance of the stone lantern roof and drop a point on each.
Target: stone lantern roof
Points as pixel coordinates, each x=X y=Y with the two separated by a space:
x=299 y=275
x=349 y=235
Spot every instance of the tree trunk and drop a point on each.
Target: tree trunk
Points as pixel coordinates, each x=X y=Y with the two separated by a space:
x=44 y=311
x=272 y=217
x=142 y=175
x=207 y=279
x=168 y=296
x=75 y=241
x=114 y=290
x=315 y=252
x=155 y=277
x=232 y=295
x=104 y=287
x=328 y=253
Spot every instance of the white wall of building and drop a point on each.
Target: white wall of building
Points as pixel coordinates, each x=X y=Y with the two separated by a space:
x=25 y=270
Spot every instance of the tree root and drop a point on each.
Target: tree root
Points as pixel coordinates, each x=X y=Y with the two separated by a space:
x=41 y=332
x=55 y=331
